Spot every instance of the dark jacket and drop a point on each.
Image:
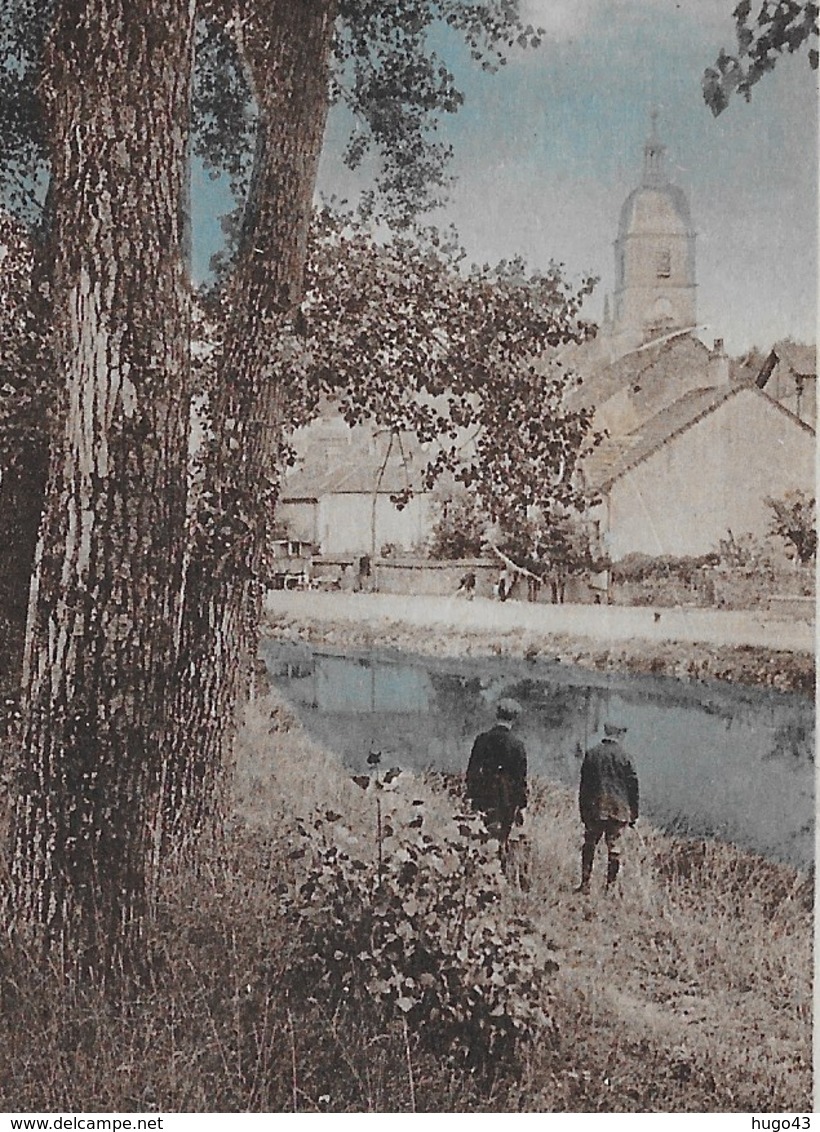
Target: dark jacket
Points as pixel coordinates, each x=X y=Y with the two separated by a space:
x=497 y=775
x=609 y=784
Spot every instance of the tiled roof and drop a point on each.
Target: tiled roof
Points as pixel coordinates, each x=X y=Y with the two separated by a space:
x=614 y=458
x=357 y=475
x=645 y=367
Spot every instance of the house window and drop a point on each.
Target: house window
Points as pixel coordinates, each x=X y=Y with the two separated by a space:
x=663 y=264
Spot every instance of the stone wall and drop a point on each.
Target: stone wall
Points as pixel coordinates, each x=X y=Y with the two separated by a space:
x=426 y=576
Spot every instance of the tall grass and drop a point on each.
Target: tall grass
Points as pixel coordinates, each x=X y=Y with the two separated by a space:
x=274 y=983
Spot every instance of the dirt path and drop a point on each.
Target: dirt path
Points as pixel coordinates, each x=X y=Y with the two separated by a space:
x=601 y=623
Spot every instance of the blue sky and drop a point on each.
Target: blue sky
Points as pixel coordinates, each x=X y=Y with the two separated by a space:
x=546 y=150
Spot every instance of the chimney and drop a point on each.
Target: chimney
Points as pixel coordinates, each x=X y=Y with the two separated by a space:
x=718 y=369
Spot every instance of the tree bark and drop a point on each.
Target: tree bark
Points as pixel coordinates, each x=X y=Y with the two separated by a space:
x=22 y=486
x=105 y=602
x=287 y=48
x=27 y=367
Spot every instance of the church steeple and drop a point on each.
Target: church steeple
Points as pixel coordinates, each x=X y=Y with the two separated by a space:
x=653 y=154
x=654 y=255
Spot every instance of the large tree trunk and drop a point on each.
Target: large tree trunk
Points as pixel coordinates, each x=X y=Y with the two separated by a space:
x=27 y=370
x=22 y=485
x=104 y=612
x=287 y=50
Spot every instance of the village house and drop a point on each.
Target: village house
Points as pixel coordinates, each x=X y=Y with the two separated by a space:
x=789 y=375
x=701 y=468
x=341 y=495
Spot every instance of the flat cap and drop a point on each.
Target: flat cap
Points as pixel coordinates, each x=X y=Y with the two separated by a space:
x=614 y=730
x=508 y=709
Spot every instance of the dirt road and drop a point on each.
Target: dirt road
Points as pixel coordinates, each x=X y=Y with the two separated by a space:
x=605 y=624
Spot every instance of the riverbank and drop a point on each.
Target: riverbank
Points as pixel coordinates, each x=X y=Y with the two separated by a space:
x=751 y=647
x=350 y=945
x=687 y=990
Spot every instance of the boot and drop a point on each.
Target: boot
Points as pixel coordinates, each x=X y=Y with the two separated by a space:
x=587 y=857
x=612 y=868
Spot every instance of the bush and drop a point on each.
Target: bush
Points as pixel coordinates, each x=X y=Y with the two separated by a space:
x=742 y=573
x=459 y=530
x=646 y=567
x=418 y=937
x=793 y=520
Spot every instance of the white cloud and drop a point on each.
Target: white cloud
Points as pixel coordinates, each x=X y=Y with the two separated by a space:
x=568 y=19
x=560 y=19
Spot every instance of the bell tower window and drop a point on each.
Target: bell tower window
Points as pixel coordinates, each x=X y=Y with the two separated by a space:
x=663 y=263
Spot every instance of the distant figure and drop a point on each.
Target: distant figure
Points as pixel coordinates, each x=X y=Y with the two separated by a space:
x=467 y=586
x=608 y=800
x=504 y=584
x=497 y=775
x=363 y=572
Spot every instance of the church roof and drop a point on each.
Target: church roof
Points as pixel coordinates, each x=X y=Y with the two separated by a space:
x=638 y=370
x=654 y=210
x=656 y=206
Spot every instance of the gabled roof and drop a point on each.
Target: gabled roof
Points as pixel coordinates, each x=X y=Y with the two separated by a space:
x=801 y=360
x=360 y=475
x=613 y=459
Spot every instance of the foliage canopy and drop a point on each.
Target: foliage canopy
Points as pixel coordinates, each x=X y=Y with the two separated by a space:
x=778 y=27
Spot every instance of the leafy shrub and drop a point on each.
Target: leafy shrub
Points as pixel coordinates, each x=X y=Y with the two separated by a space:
x=419 y=936
x=749 y=554
x=794 y=520
x=459 y=529
x=637 y=567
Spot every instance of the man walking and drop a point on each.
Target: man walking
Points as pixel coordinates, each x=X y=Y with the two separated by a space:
x=467 y=585
x=497 y=774
x=608 y=800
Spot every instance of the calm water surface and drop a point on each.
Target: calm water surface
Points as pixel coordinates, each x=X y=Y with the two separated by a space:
x=713 y=760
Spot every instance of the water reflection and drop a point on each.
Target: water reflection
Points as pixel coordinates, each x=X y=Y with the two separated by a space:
x=735 y=763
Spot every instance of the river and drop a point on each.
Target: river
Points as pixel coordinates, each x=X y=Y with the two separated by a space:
x=714 y=760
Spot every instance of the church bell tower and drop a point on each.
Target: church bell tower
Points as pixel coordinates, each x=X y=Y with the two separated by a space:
x=654 y=257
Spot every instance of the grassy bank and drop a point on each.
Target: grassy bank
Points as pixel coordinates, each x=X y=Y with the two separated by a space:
x=781 y=669
x=355 y=947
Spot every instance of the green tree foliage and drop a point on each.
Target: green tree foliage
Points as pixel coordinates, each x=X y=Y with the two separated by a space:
x=393 y=85
x=23 y=143
x=763 y=35
x=402 y=334
x=556 y=544
x=794 y=520
x=419 y=936
x=638 y=567
x=385 y=71
x=459 y=529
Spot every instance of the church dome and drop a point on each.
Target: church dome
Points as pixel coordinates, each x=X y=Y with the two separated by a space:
x=654 y=210
x=656 y=207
